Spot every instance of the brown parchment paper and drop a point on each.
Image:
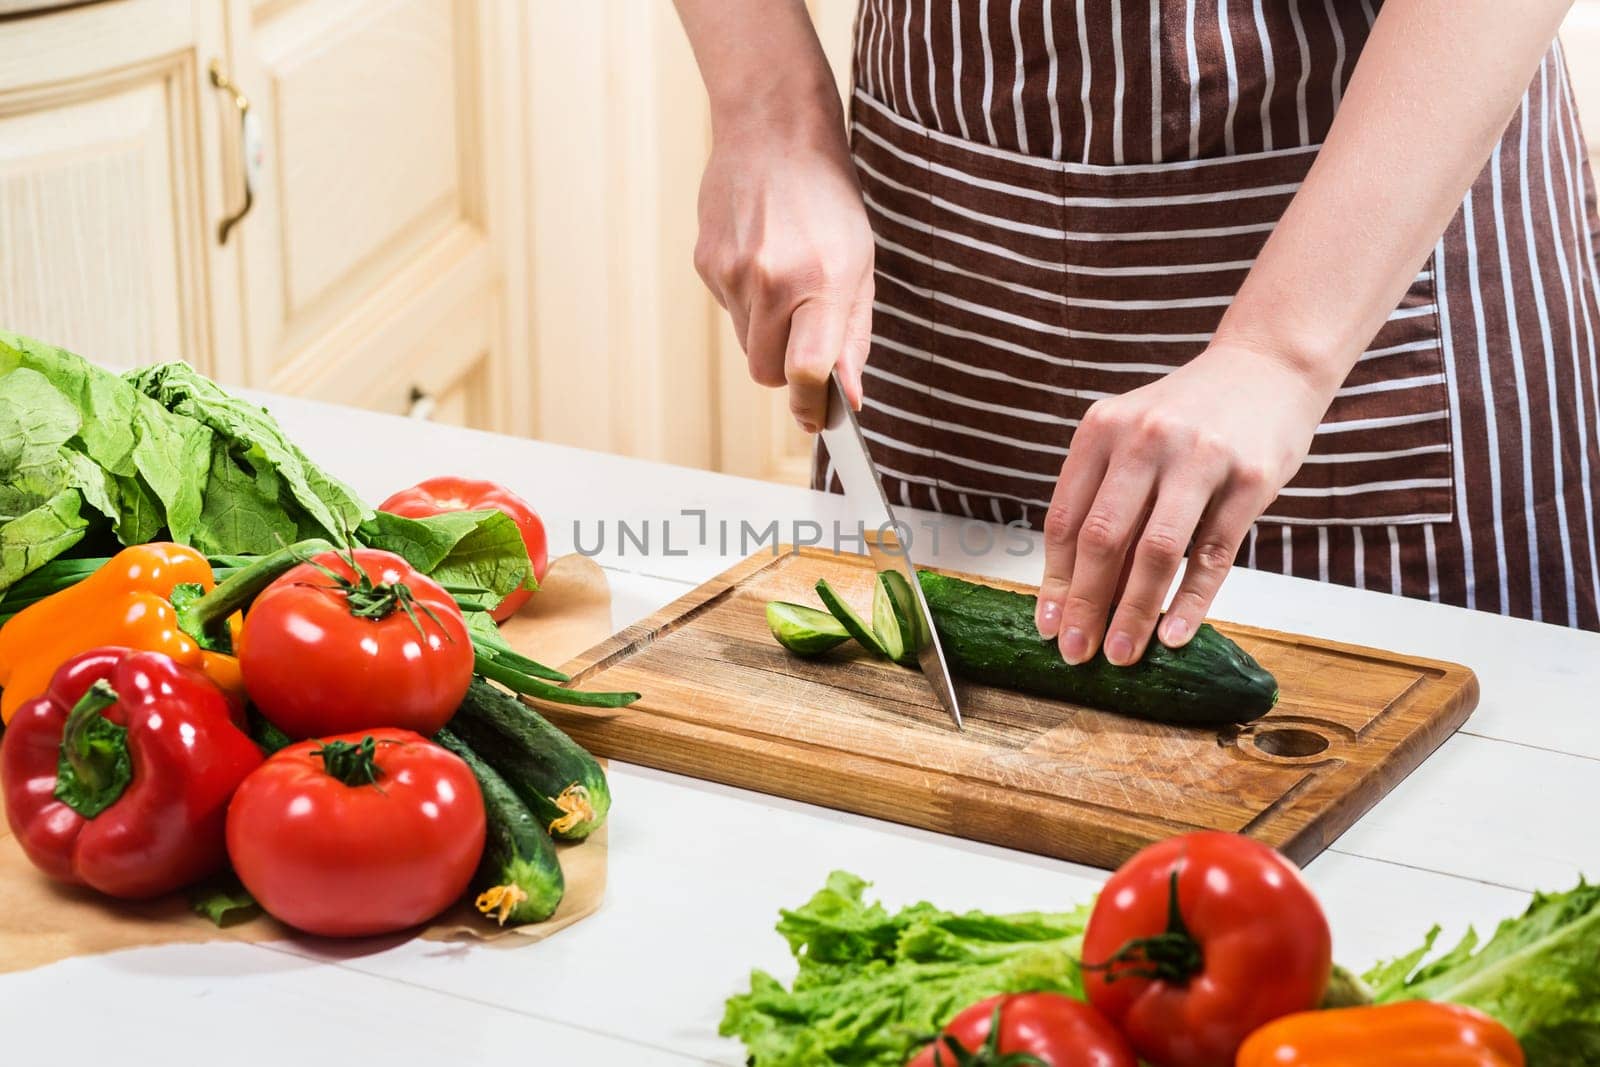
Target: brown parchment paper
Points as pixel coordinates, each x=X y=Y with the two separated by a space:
x=42 y=921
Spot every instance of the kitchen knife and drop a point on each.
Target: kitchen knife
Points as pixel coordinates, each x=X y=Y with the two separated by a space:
x=863 y=491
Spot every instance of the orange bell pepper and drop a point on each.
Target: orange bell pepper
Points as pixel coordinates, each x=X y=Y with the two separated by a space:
x=126 y=603
x=1415 y=1033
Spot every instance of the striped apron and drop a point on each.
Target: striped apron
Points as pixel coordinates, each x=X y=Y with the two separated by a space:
x=1065 y=197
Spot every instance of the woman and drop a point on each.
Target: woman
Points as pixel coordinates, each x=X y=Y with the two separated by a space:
x=1297 y=284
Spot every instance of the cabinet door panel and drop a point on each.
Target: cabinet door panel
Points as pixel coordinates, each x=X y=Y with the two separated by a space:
x=364 y=134
x=370 y=231
x=441 y=360
x=86 y=221
x=102 y=196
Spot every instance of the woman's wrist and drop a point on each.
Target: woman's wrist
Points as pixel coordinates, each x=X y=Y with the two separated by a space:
x=1309 y=379
x=1307 y=354
x=785 y=107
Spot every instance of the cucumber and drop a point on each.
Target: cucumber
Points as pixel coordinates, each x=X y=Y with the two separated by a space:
x=802 y=630
x=988 y=636
x=519 y=879
x=854 y=624
x=885 y=621
x=554 y=776
x=900 y=611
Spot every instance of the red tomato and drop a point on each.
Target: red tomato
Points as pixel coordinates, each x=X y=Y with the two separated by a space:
x=324 y=651
x=465 y=494
x=356 y=835
x=1060 y=1031
x=1200 y=939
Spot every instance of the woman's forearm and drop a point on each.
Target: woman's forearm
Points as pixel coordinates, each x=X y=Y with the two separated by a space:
x=1435 y=86
x=784 y=242
x=761 y=62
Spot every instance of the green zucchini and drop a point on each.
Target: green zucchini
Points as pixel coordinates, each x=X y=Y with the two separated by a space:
x=554 y=776
x=519 y=879
x=802 y=630
x=988 y=636
x=853 y=623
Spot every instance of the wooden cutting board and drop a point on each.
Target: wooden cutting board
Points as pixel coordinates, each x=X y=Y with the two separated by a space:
x=723 y=701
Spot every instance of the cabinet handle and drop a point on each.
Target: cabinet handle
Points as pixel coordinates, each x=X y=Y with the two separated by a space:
x=420 y=404
x=249 y=149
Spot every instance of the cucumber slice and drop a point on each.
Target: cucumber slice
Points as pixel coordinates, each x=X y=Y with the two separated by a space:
x=802 y=630
x=901 y=602
x=855 y=624
x=886 y=621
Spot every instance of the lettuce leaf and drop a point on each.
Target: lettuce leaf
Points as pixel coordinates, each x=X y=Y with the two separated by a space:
x=467 y=549
x=257 y=445
x=40 y=534
x=146 y=453
x=873 y=986
x=1539 y=975
x=160 y=452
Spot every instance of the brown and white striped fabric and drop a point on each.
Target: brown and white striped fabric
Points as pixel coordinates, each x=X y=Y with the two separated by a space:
x=1067 y=193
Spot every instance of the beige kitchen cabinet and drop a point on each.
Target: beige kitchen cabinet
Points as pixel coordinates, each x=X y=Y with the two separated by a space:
x=336 y=243
x=107 y=185
x=367 y=270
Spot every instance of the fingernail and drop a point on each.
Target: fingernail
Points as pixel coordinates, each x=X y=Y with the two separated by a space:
x=807 y=425
x=1048 y=619
x=1074 y=645
x=1175 y=631
x=1119 y=649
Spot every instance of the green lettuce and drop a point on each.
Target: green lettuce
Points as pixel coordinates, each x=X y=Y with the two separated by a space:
x=1539 y=975
x=322 y=505
x=159 y=452
x=164 y=452
x=873 y=986
x=461 y=549
x=146 y=457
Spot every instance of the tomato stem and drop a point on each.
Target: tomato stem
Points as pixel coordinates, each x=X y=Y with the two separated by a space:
x=1170 y=956
x=367 y=599
x=351 y=764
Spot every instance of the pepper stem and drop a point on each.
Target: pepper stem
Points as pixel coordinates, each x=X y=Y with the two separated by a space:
x=351 y=764
x=94 y=768
x=244 y=585
x=1171 y=956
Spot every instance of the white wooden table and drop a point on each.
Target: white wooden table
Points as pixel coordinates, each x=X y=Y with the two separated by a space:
x=698 y=871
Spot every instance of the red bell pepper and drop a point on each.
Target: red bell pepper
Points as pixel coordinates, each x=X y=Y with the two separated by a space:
x=119 y=776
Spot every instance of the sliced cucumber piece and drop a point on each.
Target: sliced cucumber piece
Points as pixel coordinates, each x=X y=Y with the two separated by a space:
x=886 y=621
x=855 y=624
x=896 y=591
x=802 y=630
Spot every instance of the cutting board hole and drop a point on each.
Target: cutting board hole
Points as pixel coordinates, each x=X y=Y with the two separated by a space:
x=1290 y=743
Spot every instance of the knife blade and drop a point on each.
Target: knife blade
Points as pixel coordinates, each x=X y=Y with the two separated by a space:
x=863 y=491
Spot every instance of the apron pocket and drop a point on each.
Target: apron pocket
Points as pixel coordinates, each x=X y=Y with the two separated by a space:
x=1154 y=255
x=1034 y=288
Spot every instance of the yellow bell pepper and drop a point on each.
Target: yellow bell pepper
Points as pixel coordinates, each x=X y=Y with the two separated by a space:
x=1414 y=1033
x=127 y=603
